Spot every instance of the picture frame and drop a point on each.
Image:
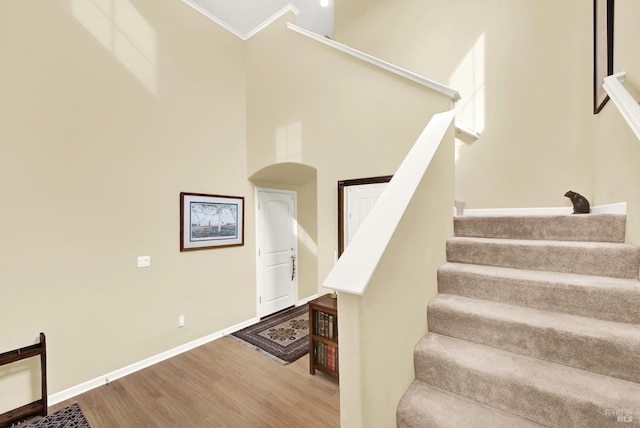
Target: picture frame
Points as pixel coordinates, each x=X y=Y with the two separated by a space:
x=210 y=221
x=603 y=14
x=342 y=187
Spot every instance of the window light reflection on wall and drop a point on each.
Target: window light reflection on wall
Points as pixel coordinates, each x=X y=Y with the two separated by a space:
x=122 y=30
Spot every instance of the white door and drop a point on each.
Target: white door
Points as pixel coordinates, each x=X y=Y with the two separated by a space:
x=359 y=202
x=277 y=250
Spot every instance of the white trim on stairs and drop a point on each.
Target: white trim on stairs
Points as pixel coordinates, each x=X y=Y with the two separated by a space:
x=416 y=78
x=617 y=208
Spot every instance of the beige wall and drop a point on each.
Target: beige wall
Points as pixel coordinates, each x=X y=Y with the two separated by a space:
x=617 y=176
x=311 y=104
x=524 y=70
x=107 y=115
x=103 y=121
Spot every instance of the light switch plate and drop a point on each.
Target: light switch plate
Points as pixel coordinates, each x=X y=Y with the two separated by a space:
x=144 y=261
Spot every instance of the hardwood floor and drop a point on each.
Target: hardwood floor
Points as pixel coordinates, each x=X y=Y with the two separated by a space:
x=220 y=384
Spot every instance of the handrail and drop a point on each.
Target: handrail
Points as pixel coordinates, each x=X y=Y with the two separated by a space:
x=355 y=267
x=628 y=106
x=416 y=78
x=466 y=133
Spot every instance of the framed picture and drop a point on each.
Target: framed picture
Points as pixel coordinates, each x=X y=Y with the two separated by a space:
x=210 y=221
x=602 y=50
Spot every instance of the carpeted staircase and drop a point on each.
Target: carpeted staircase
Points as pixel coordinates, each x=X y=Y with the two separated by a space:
x=537 y=324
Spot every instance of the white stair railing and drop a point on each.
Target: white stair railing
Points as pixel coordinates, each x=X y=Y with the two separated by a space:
x=387 y=274
x=356 y=266
x=416 y=78
x=628 y=106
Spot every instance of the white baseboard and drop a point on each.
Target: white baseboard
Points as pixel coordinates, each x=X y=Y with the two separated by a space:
x=617 y=208
x=117 y=374
x=69 y=393
x=306 y=300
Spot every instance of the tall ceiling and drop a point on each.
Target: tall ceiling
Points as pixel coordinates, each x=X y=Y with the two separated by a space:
x=245 y=15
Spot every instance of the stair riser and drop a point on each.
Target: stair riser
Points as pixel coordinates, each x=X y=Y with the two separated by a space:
x=611 y=304
x=619 y=262
x=610 y=356
x=425 y=406
x=595 y=228
x=512 y=394
x=537 y=318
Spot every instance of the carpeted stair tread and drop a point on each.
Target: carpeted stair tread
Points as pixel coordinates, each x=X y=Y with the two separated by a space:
x=427 y=406
x=550 y=394
x=612 y=299
x=599 y=346
x=537 y=317
x=591 y=227
x=589 y=258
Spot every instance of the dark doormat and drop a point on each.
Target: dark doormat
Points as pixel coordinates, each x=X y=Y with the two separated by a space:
x=283 y=337
x=69 y=417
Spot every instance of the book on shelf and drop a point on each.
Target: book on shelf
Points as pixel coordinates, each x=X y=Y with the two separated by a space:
x=318 y=323
x=330 y=362
x=321 y=353
x=331 y=327
x=325 y=329
x=325 y=325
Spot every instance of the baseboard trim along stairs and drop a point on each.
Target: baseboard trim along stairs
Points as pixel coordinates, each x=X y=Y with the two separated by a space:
x=536 y=324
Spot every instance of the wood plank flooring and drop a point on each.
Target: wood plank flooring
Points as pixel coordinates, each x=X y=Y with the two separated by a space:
x=220 y=384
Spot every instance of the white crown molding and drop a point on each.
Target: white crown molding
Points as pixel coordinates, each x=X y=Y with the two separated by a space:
x=214 y=18
x=438 y=87
x=275 y=16
x=416 y=78
x=288 y=8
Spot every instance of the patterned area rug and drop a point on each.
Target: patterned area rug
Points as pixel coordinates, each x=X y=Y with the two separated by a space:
x=69 y=417
x=283 y=337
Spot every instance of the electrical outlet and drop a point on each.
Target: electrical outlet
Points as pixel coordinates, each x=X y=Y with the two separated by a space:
x=144 y=261
x=181 y=321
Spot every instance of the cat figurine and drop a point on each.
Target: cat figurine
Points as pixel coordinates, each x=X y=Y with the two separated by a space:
x=580 y=203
